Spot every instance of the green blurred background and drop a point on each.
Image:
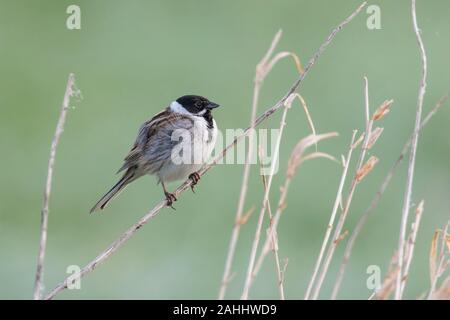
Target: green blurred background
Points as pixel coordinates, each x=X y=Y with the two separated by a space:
x=131 y=58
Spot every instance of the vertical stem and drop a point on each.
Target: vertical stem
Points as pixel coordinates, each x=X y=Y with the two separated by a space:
x=332 y=218
x=249 y=278
x=48 y=187
x=259 y=76
x=343 y=216
x=412 y=157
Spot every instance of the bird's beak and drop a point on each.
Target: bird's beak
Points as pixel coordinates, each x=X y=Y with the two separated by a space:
x=212 y=105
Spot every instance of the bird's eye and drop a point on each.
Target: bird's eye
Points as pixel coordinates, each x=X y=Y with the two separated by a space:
x=198 y=104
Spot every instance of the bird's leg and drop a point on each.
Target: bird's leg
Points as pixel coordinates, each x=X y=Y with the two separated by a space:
x=195 y=177
x=170 y=197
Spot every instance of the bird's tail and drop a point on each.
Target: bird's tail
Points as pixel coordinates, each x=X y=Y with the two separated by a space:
x=115 y=190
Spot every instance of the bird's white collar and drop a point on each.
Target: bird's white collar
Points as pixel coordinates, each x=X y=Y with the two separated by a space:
x=178 y=108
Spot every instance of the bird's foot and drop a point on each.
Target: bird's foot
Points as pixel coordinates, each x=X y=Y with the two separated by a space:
x=195 y=178
x=170 y=198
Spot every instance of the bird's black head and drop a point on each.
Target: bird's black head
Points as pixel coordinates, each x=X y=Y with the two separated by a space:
x=197 y=105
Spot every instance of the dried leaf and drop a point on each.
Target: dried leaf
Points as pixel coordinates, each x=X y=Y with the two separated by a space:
x=447 y=241
x=298 y=63
x=366 y=168
x=315 y=155
x=382 y=110
x=433 y=254
x=308 y=115
x=297 y=153
x=443 y=293
x=357 y=142
x=288 y=102
x=341 y=237
x=281 y=55
x=246 y=216
x=388 y=285
x=419 y=209
x=374 y=135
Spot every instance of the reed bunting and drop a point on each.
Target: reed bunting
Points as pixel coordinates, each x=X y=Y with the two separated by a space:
x=173 y=145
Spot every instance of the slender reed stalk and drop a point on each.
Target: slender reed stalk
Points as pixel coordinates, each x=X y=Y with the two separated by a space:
x=409 y=250
x=274 y=236
x=296 y=159
x=337 y=201
x=340 y=224
x=373 y=204
x=48 y=185
x=261 y=72
x=356 y=179
x=412 y=157
x=437 y=269
x=249 y=278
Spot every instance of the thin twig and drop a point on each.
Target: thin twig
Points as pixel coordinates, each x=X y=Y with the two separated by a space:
x=48 y=186
x=442 y=260
x=295 y=160
x=373 y=204
x=183 y=187
x=259 y=78
x=251 y=264
x=340 y=224
x=409 y=250
x=412 y=158
x=332 y=217
x=274 y=236
x=344 y=213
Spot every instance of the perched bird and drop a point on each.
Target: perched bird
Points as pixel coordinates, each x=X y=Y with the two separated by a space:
x=173 y=145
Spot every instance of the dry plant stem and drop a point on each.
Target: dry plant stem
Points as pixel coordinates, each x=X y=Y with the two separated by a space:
x=266 y=247
x=412 y=158
x=442 y=260
x=251 y=264
x=343 y=216
x=274 y=239
x=183 y=187
x=280 y=273
x=259 y=77
x=48 y=186
x=283 y=195
x=332 y=217
x=409 y=250
x=363 y=220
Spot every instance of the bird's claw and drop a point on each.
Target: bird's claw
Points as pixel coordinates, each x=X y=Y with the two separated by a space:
x=195 y=178
x=170 y=198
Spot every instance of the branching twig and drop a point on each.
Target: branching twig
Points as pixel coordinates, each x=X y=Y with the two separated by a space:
x=343 y=216
x=373 y=204
x=152 y=213
x=251 y=264
x=412 y=158
x=409 y=250
x=274 y=237
x=337 y=201
x=294 y=162
x=438 y=269
x=261 y=72
x=48 y=185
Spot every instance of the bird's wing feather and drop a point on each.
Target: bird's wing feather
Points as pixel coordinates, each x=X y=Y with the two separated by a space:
x=154 y=138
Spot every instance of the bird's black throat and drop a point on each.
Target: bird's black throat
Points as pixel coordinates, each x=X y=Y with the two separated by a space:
x=209 y=119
